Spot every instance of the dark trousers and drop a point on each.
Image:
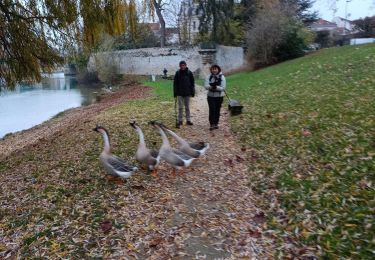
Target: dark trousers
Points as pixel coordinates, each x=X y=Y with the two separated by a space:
x=214 y=106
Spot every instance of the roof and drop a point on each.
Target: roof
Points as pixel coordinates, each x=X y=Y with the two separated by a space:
x=323 y=22
x=154 y=26
x=342 y=19
x=323 y=25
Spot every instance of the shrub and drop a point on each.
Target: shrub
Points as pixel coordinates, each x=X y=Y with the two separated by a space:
x=106 y=69
x=276 y=35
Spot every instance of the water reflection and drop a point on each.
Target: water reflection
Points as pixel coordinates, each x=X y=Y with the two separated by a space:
x=29 y=105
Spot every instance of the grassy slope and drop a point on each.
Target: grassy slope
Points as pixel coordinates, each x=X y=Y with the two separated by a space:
x=310 y=124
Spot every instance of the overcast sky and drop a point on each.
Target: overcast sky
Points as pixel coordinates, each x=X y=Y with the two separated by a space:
x=355 y=8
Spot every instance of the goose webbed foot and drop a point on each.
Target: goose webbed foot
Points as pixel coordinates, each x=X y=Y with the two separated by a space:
x=173 y=173
x=114 y=179
x=109 y=177
x=154 y=173
x=181 y=173
x=119 y=181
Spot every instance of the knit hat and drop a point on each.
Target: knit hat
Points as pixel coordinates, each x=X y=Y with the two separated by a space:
x=182 y=62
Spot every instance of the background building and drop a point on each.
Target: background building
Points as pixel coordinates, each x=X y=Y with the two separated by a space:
x=188 y=22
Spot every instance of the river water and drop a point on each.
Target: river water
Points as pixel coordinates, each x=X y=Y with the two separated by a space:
x=30 y=105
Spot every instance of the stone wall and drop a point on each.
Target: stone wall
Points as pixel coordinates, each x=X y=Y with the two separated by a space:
x=230 y=58
x=152 y=61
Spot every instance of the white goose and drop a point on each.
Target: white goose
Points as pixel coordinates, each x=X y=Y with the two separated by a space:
x=172 y=156
x=113 y=165
x=196 y=149
x=148 y=157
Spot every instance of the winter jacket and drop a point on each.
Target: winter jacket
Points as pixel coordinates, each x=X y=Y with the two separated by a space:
x=183 y=83
x=215 y=84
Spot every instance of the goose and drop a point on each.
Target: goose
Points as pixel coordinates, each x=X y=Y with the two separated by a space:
x=172 y=156
x=148 y=157
x=195 y=150
x=113 y=165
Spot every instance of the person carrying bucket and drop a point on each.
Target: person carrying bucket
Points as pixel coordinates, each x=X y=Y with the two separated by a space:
x=183 y=89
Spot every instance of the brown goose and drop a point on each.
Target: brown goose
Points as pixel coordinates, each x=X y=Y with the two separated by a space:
x=195 y=150
x=148 y=157
x=113 y=165
x=172 y=156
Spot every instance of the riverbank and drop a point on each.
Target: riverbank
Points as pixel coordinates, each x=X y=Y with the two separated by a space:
x=66 y=120
x=57 y=203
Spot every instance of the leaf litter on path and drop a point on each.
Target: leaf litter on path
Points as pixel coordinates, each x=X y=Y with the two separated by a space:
x=58 y=203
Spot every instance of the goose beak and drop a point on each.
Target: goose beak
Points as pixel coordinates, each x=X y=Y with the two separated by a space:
x=132 y=124
x=156 y=122
x=163 y=126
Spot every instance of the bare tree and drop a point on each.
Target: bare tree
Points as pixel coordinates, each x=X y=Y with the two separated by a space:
x=163 y=9
x=267 y=32
x=171 y=12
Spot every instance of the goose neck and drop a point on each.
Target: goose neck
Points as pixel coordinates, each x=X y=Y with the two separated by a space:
x=175 y=136
x=106 y=142
x=164 y=138
x=141 y=136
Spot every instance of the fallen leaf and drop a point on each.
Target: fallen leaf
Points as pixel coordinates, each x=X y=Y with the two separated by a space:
x=106 y=226
x=228 y=162
x=239 y=159
x=156 y=241
x=255 y=233
x=306 y=132
x=259 y=218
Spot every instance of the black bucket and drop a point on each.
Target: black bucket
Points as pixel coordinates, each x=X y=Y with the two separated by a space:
x=234 y=106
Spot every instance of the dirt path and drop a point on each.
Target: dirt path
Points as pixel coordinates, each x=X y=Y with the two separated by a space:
x=214 y=204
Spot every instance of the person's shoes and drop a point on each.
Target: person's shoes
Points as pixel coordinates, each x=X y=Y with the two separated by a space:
x=216 y=127
x=178 y=124
x=189 y=123
x=212 y=127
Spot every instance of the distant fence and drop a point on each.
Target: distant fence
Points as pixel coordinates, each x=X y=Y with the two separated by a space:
x=356 y=41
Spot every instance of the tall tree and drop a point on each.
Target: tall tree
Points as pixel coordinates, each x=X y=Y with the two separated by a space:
x=219 y=20
x=36 y=34
x=303 y=9
x=366 y=26
x=102 y=17
x=132 y=19
x=30 y=35
x=114 y=14
x=157 y=6
x=276 y=33
x=92 y=22
x=247 y=11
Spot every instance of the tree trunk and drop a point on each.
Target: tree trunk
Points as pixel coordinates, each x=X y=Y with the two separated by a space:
x=162 y=23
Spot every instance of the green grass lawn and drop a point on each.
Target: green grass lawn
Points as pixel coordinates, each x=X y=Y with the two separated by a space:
x=162 y=88
x=309 y=126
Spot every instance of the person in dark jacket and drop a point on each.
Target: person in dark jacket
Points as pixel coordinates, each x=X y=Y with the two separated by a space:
x=183 y=89
x=215 y=84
